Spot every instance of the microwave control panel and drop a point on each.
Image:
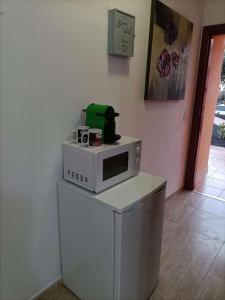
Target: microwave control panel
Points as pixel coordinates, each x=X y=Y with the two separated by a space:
x=78 y=166
x=76 y=176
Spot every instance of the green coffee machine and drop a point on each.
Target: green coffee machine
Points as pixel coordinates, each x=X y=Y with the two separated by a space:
x=103 y=117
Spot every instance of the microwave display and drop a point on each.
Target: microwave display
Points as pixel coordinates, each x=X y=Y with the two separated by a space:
x=115 y=165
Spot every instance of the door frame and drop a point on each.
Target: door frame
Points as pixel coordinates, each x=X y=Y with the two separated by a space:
x=199 y=101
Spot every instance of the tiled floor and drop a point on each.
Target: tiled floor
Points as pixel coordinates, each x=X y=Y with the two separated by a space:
x=193 y=251
x=58 y=292
x=214 y=182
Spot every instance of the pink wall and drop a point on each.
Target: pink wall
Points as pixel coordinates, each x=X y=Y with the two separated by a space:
x=163 y=126
x=212 y=89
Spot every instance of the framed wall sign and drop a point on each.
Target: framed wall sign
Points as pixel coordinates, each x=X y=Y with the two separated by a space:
x=121 y=35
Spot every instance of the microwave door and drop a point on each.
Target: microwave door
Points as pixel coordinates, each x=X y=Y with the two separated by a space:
x=114 y=166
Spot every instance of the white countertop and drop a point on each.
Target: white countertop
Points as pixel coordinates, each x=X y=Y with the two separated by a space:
x=125 y=195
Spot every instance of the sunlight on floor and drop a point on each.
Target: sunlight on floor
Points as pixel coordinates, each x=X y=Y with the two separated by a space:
x=214 y=183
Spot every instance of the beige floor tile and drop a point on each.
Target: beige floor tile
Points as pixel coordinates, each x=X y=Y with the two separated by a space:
x=212 y=166
x=168 y=226
x=168 y=260
x=202 y=179
x=215 y=183
x=213 y=206
x=179 y=206
x=217 y=157
x=194 y=199
x=218 y=175
x=156 y=295
x=218 y=266
x=221 y=167
x=206 y=223
x=58 y=293
x=215 y=164
x=176 y=212
x=222 y=195
x=179 y=279
x=200 y=249
x=212 y=288
x=209 y=190
x=173 y=239
x=216 y=161
x=187 y=198
x=222 y=170
x=190 y=245
x=168 y=229
x=218 y=153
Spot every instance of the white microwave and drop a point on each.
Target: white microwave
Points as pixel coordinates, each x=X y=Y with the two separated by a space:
x=98 y=168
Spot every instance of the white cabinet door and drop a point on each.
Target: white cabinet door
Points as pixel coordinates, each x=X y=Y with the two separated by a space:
x=87 y=245
x=138 y=236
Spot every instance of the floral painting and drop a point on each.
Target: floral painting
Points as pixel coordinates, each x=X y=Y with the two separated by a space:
x=169 y=45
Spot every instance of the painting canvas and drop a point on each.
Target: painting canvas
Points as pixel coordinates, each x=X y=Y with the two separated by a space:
x=169 y=45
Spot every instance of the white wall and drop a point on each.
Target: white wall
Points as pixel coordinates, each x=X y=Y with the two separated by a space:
x=53 y=63
x=214 y=12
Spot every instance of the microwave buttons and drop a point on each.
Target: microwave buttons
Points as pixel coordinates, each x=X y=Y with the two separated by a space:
x=78 y=177
x=68 y=172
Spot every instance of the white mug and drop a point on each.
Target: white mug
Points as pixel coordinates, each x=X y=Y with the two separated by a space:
x=83 y=135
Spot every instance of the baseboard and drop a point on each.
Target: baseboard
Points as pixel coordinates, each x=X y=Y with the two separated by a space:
x=56 y=281
x=174 y=193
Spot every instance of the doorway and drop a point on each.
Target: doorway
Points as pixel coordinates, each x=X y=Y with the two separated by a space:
x=203 y=158
x=210 y=164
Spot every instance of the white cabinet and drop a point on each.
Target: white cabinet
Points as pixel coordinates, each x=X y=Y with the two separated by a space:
x=87 y=245
x=138 y=235
x=111 y=247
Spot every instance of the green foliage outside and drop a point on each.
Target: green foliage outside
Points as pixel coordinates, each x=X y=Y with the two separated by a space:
x=223 y=72
x=221 y=131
